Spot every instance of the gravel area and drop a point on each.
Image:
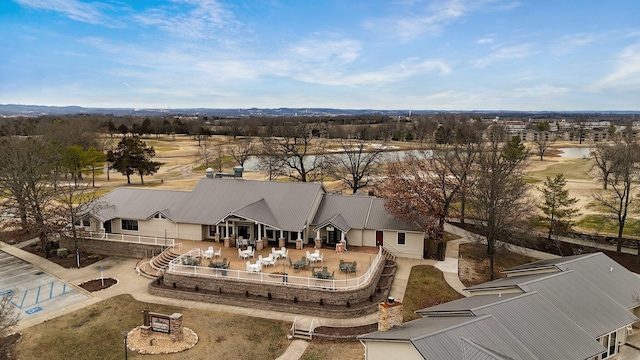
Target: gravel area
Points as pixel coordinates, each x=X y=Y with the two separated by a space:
x=160 y=343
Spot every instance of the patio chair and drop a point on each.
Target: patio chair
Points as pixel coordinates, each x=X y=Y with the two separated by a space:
x=208 y=254
x=290 y=263
x=250 y=251
x=241 y=254
x=353 y=267
x=272 y=260
x=217 y=253
x=248 y=266
x=285 y=252
x=332 y=273
x=320 y=258
x=342 y=266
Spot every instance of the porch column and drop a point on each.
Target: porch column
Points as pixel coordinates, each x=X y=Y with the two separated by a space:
x=300 y=236
x=226 y=224
x=341 y=235
x=318 y=234
x=259 y=232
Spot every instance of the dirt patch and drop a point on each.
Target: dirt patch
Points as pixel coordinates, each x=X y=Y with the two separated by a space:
x=98 y=284
x=69 y=261
x=7 y=344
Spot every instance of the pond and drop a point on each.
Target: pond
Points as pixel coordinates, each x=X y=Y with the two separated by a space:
x=575 y=153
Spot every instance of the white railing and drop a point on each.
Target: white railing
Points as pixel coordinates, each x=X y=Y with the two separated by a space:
x=147 y=240
x=341 y=281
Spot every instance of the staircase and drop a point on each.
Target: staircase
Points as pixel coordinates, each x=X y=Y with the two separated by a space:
x=302 y=328
x=156 y=266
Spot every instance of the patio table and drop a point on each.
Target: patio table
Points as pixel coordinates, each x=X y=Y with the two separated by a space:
x=217 y=264
x=323 y=274
x=300 y=264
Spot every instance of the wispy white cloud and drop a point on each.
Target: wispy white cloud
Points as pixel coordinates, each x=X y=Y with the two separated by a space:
x=485 y=40
x=501 y=53
x=203 y=19
x=430 y=18
x=626 y=73
x=76 y=10
x=569 y=43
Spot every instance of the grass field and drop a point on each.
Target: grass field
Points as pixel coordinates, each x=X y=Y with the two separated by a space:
x=95 y=332
x=576 y=169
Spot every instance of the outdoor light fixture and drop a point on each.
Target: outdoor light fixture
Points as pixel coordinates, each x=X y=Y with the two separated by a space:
x=124 y=336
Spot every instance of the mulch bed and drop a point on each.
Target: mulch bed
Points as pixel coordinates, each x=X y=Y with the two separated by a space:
x=70 y=261
x=97 y=284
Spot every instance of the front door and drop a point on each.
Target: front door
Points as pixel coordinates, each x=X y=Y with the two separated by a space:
x=107 y=226
x=379 y=238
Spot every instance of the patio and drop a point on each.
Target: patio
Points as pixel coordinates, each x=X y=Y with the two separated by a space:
x=363 y=256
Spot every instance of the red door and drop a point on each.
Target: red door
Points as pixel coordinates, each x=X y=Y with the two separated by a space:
x=379 y=238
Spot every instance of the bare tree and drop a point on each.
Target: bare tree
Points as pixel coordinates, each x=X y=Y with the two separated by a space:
x=499 y=196
x=622 y=182
x=543 y=142
x=605 y=157
x=242 y=150
x=269 y=160
x=8 y=319
x=302 y=151
x=356 y=164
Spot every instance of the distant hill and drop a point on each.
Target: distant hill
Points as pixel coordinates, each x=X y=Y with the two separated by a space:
x=37 y=110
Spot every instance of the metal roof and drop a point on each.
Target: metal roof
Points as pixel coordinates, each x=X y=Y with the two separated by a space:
x=582 y=302
x=337 y=221
x=359 y=212
x=544 y=264
x=353 y=209
x=283 y=205
x=379 y=218
x=537 y=323
x=542 y=328
x=505 y=283
x=257 y=211
x=441 y=338
x=598 y=269
x=139 y=204
x=473 y=351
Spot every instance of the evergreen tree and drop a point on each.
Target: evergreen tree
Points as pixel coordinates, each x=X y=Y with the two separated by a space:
x=557 y=205
x=131 y=156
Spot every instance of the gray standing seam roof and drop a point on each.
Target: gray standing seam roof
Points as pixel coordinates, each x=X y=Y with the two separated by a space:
x=582 y=302
x=598 y=269
x=441 y=338
x=537 y=323
x=283 y=205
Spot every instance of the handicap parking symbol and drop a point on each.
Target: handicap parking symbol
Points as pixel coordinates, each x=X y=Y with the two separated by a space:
x=34 y=310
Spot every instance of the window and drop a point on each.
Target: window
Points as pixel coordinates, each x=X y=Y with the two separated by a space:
x=129 y=224
x=610 y=342
x=212 y=230
x=402 y=239
x=159 y=216
x=86 y=222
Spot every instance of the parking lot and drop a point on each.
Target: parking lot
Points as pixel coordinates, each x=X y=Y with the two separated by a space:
x=32 y=291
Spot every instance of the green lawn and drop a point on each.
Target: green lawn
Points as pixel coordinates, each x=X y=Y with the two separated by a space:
x=426 y=287
x=577 y=169
x=607 y=225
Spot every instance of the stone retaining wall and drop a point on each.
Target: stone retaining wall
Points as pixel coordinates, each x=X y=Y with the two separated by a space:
x=112 y=248
x=275 y=291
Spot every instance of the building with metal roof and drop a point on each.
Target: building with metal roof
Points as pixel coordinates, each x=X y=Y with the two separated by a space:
x=218 y=208
x=577 y=307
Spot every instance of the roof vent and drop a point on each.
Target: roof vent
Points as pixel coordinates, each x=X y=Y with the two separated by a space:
x=209 y=172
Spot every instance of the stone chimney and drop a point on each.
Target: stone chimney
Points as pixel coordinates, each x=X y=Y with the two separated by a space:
x=389 y=314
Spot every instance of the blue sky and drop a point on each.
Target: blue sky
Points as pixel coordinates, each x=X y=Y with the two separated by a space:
x=352 y=54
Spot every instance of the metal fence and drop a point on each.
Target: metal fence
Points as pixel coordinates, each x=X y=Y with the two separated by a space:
x=137 y=239
x=342 y=281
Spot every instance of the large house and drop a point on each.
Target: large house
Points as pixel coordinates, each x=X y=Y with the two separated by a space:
x=218 y=208
x=576 y=307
